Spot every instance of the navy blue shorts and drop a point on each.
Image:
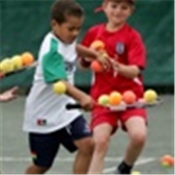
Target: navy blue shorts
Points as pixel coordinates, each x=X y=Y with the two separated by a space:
x=44 y=147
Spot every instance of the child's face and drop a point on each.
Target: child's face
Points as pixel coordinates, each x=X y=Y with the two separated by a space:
x=117 y=12
x=69 y=30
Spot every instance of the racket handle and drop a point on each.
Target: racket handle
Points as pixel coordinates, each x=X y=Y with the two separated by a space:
x=71 y=106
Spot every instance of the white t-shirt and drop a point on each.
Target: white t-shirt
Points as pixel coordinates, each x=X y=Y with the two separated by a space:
x=45 y=111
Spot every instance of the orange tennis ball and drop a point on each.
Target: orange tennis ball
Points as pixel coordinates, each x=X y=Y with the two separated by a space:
x=129 y=97
x=96 y=66
x=172 y=161
x=98 y=45
x=115 y=98
x=167 y=160
x=27 y=58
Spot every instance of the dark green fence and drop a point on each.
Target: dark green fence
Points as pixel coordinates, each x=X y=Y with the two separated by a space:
x=25 y=22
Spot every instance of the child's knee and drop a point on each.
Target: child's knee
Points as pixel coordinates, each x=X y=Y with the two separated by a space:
x=86 y=146
x=35 y=169
x=101 y=143
x=138 y=138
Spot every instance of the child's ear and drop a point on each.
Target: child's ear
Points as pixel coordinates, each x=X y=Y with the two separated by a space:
x=53 y=23
x=104 y=4
x=132 y=9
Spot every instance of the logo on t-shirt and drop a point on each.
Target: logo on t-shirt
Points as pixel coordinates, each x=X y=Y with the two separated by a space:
x=41 y=122
x=120 y=48
x=70 y=66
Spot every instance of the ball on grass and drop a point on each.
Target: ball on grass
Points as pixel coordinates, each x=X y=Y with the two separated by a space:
x=136 y=172
x=167 y=161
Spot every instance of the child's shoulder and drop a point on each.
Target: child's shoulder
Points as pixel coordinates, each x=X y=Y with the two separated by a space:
x=133 y=32
x=48 y=37
x=48 y=40
x=96 y=28
x=47 y=44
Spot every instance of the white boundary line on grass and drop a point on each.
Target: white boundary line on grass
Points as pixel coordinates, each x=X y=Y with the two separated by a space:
x=139 y=162
x=70 y=159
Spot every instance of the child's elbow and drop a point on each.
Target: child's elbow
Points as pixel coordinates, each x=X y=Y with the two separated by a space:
x=136 y=72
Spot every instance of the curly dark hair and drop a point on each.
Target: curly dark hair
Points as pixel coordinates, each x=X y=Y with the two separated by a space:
x=61 y=9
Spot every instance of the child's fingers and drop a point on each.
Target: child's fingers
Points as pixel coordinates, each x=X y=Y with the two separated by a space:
x=14 y=90
x=116 y=57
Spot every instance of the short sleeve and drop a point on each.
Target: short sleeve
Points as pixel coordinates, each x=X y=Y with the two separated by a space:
x=89 y=37
x=53 y=64
x=137 y=51
x=86 y=41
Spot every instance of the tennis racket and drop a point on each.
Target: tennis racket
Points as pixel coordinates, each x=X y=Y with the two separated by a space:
x=122 y=107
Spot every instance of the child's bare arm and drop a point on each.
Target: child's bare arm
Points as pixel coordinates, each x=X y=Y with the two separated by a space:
x=129 y=71
x=87 y=55
x=86 y=52
x=85 y=100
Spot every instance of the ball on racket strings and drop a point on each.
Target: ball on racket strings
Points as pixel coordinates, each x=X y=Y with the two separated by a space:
x=103 y=100
x=150 y=96
x=115 y=98
x=27 y=58
x=129 y=97
x=6 y=66
x=17 y=62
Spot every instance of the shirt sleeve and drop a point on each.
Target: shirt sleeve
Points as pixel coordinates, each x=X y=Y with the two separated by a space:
x=53 y=64
x=137 y=52
x=88 y=38
x=86 y=41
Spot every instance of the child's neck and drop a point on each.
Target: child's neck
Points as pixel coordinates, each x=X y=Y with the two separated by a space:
x=58 y=37
x=111 y=27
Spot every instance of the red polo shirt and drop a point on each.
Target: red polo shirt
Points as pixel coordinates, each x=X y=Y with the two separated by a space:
x=127 y=44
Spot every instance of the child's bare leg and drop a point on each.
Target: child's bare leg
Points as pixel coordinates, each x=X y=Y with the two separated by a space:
x=34 y=169
x=137 y=132
x=84 y=155
x=101 y=135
